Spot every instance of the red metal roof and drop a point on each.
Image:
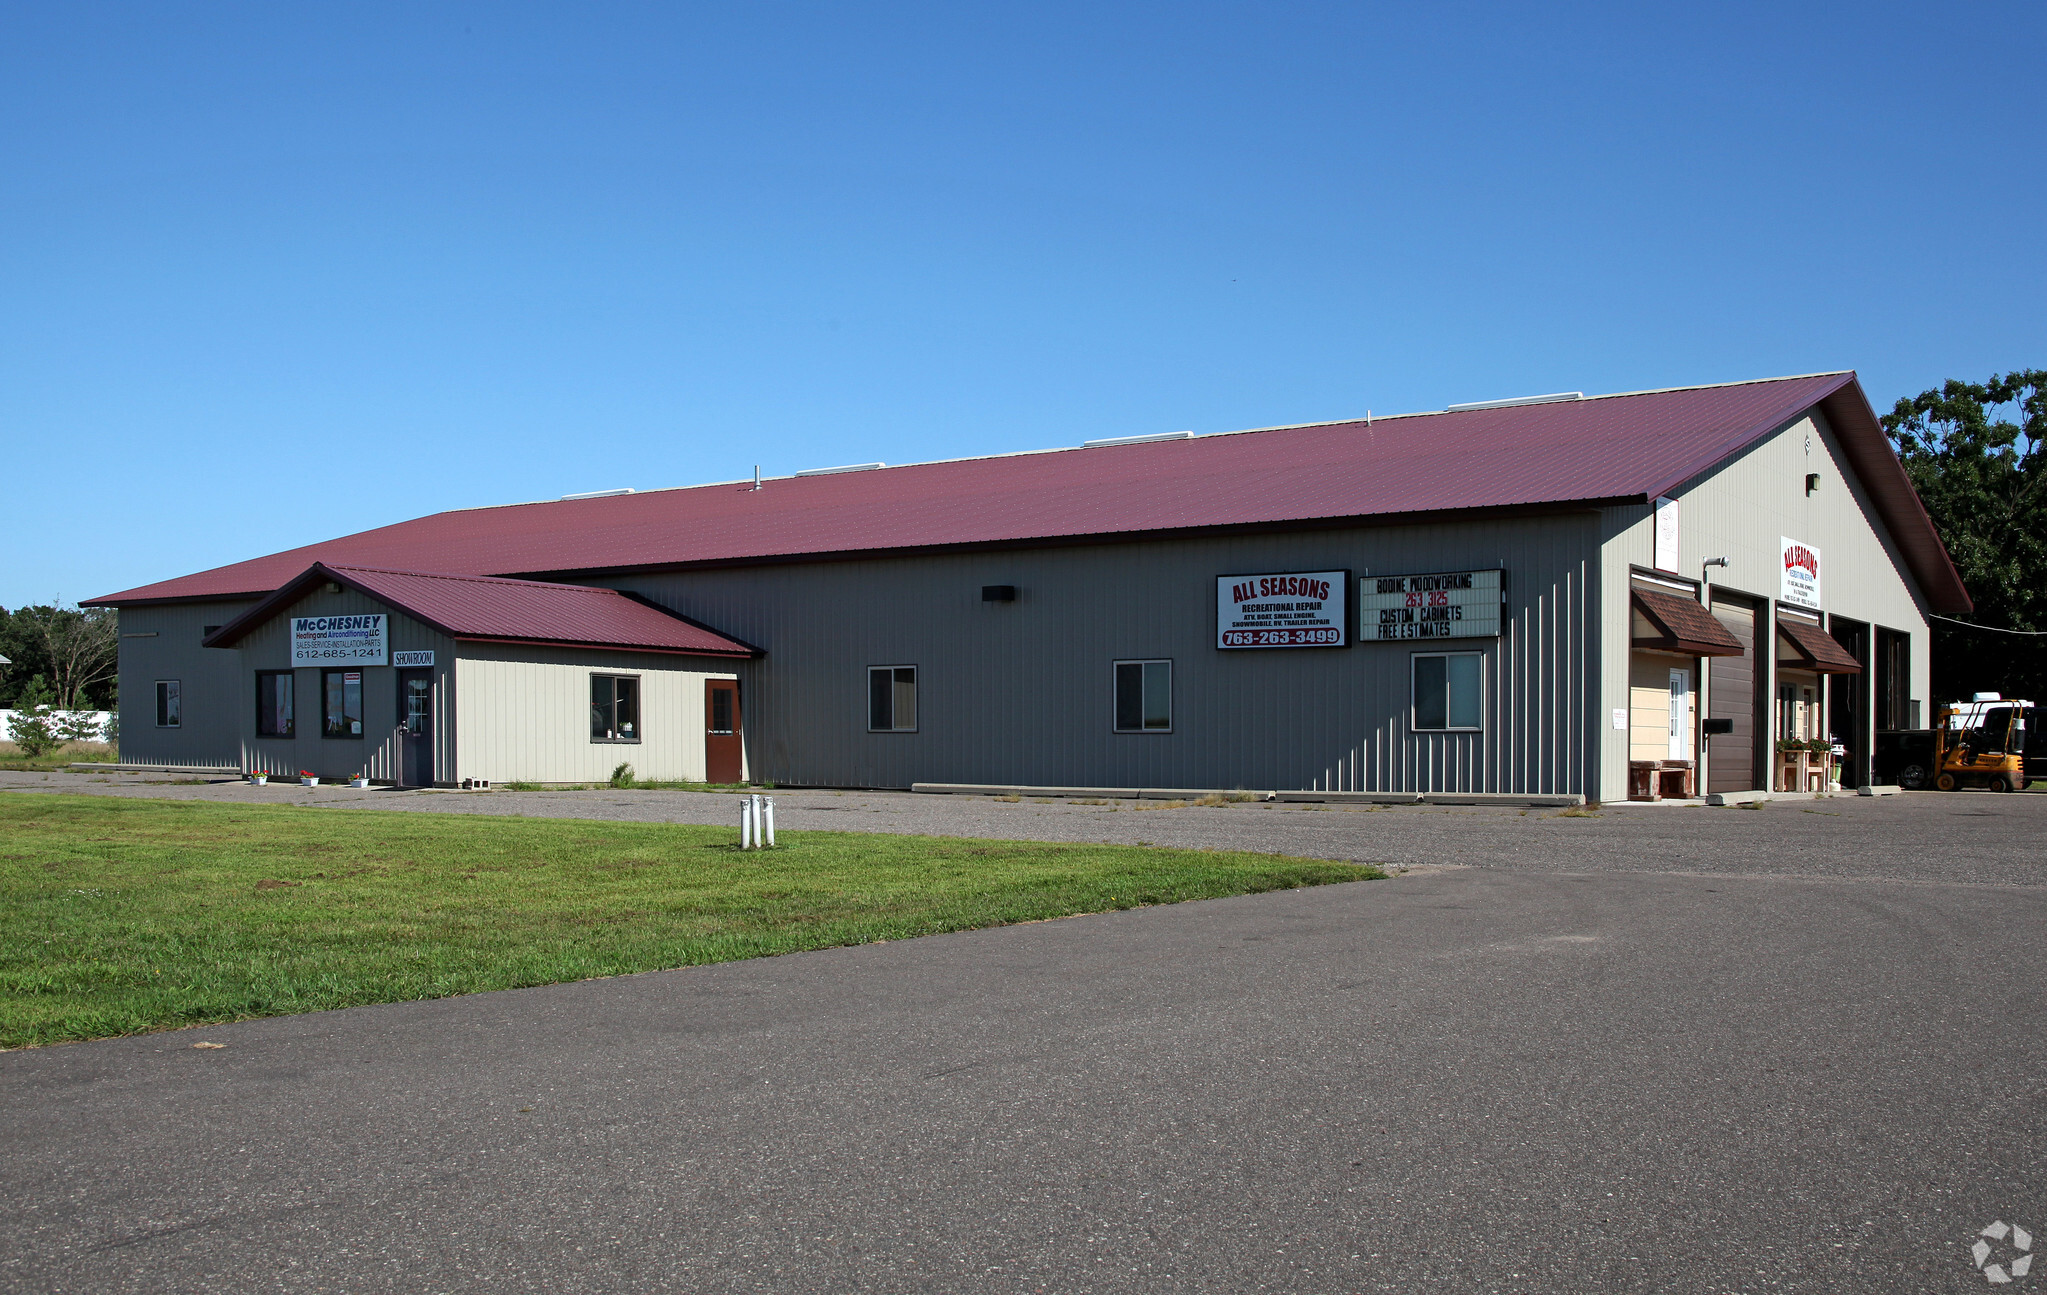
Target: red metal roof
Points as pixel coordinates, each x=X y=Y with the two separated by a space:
x=1605 y=449
x=498 y=610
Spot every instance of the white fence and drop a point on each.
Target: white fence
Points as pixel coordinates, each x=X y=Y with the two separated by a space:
x=57 y=717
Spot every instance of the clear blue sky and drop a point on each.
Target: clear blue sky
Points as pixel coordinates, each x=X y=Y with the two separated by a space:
x=274 y=273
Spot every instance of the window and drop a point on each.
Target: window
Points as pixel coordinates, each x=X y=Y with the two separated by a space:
x=892 y=699
x=614 y=708
x=273 y=703
x=1448 y=691
x=343 y=692
x=1144 y=696
x=721 y=711
x=168 y=714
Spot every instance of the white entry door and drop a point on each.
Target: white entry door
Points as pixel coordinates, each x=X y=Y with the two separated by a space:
x=1680 y=714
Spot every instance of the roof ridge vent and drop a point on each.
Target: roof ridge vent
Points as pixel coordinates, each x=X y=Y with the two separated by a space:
x=1136 y=440
x=850 y=467
x=600 y=494
x=1550 y=399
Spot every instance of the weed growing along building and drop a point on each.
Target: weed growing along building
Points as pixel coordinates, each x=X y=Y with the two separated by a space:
x=1512 y=598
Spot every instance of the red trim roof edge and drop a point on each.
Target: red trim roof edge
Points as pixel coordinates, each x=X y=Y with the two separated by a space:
x=747 y=655
x=241 y=626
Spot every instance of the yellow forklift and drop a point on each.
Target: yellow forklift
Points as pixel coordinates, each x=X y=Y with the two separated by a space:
x=1990 y=752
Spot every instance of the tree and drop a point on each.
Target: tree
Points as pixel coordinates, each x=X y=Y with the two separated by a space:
x=35 y=725
x=76 y=651
x=1983 y=479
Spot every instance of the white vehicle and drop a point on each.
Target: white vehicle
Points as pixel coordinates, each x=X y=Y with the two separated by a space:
x=1969 y=714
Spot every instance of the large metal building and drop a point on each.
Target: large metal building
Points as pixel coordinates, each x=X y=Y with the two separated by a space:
x=1648 y=593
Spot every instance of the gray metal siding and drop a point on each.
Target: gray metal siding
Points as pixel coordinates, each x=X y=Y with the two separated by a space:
x=209 y=683
x=376 y=753
x=1023 y=692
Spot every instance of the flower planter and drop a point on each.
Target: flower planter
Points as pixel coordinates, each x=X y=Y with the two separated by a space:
x=309 y=780
x=358 y=782
x=259 y=779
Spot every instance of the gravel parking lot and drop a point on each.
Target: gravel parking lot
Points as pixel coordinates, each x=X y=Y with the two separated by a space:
x=1928 y=836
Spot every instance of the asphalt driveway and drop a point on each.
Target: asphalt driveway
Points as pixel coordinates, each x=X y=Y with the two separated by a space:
x=1519 y=1077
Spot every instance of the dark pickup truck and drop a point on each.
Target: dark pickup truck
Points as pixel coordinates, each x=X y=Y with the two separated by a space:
x=1904 y=757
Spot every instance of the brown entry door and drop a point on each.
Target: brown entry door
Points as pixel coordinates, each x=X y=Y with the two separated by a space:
x=721 y=730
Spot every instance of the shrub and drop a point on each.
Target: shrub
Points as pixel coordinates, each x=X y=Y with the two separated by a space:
x=622 y=776
x=36 y=726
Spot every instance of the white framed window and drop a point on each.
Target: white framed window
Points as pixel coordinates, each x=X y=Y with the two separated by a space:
x=891 y=699
x=1449 y=692
x=169 y=710
x=614 y=708
x=1144 y=696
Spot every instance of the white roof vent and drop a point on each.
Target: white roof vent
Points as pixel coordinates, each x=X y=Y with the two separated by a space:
x=601 y=494
x=850 y=467
x=1517 y=400
x=1136 y=440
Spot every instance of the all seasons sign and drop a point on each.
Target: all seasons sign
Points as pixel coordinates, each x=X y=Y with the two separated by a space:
x=1282 y=610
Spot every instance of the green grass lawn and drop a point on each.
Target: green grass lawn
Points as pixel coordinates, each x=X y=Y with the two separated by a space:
x=62 y=758
x=122 y=916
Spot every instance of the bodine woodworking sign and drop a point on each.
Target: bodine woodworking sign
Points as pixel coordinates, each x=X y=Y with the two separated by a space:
x=1445 y=605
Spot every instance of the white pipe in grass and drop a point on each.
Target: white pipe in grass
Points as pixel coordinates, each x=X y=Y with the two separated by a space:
x=768 y=819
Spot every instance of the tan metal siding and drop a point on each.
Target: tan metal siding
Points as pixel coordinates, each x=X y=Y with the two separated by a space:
x=526 y=714
x=1741 y=511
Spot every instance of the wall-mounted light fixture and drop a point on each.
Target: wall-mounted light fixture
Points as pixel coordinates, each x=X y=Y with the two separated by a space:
x=1812 y=482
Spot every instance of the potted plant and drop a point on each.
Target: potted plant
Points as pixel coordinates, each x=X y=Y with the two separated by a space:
x=359 y=781
x=258 y=778
x=307 y=778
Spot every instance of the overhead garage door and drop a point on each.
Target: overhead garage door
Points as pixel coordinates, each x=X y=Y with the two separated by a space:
x=1731 y=757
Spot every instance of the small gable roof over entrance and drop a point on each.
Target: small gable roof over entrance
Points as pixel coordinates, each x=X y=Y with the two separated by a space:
x=490 y=609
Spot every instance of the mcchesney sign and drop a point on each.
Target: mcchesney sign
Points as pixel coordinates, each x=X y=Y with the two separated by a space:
x=338 y=640
x=1298 y=609
x=1447 y=605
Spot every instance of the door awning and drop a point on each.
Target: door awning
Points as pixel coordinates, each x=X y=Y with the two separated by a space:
x=1681 y=625
x=1812 y=648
